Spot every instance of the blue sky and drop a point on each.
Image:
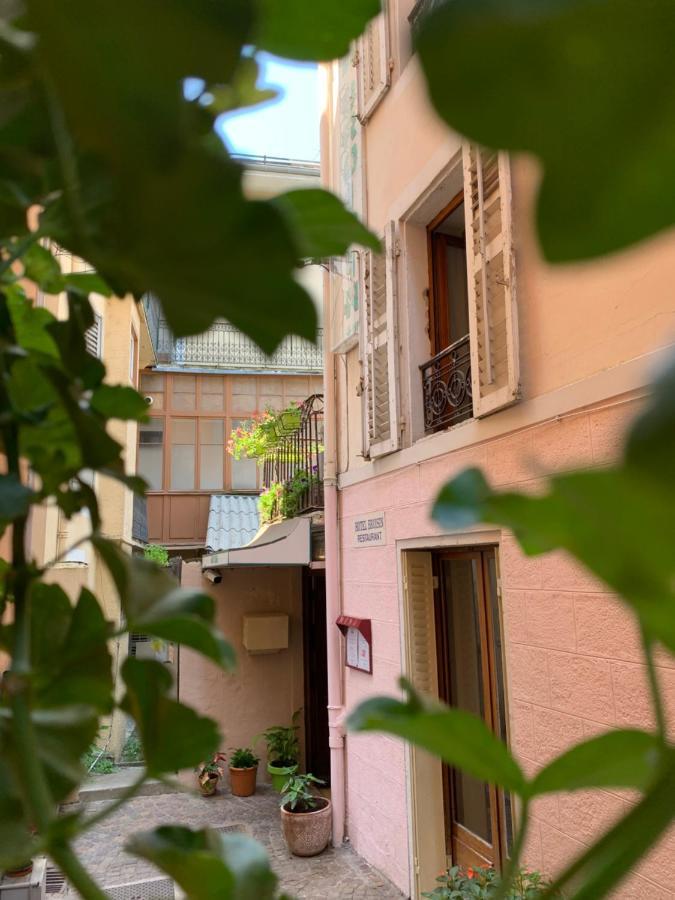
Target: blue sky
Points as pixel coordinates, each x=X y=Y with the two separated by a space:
x=286 y=127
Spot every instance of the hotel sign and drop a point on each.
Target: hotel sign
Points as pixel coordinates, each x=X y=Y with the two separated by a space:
x=368 y=530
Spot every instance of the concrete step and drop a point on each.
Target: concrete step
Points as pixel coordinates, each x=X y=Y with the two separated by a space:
x=110 y=787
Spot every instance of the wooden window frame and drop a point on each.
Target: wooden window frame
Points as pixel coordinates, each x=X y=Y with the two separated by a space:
x=438 y=306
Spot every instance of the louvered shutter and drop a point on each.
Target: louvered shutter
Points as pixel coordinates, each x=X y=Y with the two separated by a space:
x=425 y=770
x=493 y=315
x=374 y=74
x=379 y=349
x=93 y=335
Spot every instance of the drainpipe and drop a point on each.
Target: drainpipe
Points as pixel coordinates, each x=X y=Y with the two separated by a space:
x=333 y=600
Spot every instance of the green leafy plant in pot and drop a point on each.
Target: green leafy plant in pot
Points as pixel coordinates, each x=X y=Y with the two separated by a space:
x=306 y=819
x=479 y=883
x=283 y=751
x=243 y=771
x=209 y=774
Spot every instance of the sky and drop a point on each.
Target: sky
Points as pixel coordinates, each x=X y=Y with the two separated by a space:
x=287 y=126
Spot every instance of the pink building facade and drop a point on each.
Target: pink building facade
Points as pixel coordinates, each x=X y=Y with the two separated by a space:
x=459 y=346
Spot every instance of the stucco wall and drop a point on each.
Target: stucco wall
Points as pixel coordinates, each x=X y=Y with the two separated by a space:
x=266 y=689
x=572 y=652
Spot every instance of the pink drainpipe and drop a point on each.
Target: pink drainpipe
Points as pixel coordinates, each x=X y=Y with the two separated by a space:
x=333 y=604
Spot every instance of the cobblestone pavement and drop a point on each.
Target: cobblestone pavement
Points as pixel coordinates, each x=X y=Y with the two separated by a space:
x=336 y=874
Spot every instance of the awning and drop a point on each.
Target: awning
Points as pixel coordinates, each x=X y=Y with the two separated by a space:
x=284 y=543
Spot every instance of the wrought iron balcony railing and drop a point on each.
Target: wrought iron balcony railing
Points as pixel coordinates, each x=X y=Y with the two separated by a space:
x=446 y=386
x=296 y=463
x=225 y=347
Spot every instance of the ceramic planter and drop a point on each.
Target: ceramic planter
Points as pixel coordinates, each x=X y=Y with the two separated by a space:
x=208 y=786
x=242 y=781
x=280 y=775
x=20 y=871
x=308 y=833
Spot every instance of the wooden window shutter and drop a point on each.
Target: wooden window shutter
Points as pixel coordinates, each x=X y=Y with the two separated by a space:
x=374 y=73
x=93 y=337
x=379 y=349
x=493 y=315
x=426 y=776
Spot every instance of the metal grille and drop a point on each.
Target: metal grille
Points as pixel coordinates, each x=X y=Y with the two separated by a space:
x=55 y=880
x=152 y=889
x=297 y=460
x=92 y=336
x=231 y=829
x=224 y=346
x=446 y=386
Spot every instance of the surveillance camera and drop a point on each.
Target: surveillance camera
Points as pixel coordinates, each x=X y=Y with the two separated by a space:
x=213 y=576
x=149 y=401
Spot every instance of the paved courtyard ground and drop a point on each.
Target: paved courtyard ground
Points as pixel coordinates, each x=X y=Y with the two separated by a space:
x=338 y=874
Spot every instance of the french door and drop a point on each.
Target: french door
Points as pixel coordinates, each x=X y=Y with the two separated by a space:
x=478 y=819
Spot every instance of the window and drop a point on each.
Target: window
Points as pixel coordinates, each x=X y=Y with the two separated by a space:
x=133 y=358
x=211 y=454
x=212 y=394
x=447 y=376
x=243 y=472
x=182 y=464
x=184 y=393
x=151 y=453
x=152 y=386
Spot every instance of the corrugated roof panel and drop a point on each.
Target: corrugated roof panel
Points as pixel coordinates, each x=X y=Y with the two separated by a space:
x=233 y=521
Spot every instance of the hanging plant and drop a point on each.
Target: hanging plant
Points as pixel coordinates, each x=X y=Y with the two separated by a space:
x=261 y=433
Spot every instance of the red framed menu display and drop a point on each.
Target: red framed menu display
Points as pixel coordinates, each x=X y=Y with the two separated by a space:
x=358 y=642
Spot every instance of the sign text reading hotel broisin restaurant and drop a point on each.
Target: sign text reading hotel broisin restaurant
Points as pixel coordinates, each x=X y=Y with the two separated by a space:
x=368 y=530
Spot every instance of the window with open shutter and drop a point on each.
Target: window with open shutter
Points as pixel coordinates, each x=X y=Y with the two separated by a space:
x=93 y=337
x=426 y=773
x=379 y=349
x=493 y=316
x=374 y=73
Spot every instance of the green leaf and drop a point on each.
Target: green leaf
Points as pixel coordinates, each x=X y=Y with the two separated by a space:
x=173 y=735
x=86 y=283
x=587 y=87
x=321 y=30
x=15 y=499
x=117 y=401
x=71 y=660
x=322 y=224
x=154 y=604
x=630 y=759
x=456 y=736
x=208 y=865
x=599 y=517
x=610 y=859
x=42 y=268
x=242 y=92
x=31 y=324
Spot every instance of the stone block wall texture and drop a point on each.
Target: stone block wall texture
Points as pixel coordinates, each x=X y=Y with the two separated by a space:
x=572 y=650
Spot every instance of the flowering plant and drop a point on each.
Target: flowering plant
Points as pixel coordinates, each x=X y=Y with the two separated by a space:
x=254 y=438
x=484 y=884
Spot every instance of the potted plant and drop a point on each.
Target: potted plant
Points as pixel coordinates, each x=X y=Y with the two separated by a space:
x=283 y=751
x=209 y=774
x=483 y=884
x=305 y=818
x=243 y=771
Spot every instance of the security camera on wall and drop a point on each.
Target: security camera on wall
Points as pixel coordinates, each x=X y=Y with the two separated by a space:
x=149 y=401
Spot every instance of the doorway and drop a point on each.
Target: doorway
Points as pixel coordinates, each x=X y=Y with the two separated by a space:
x=314 y=642
x=478 y=817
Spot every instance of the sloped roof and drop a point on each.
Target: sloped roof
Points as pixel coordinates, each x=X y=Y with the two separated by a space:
x=233 y=521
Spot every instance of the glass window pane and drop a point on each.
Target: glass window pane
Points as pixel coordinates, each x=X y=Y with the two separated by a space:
x=151 y=453
x=183 y=394
x=211 y=431
x=150 y=381
x=211 y=462
x=183 y=467
x=244 y=474
x=182 y=454
x=212 y=384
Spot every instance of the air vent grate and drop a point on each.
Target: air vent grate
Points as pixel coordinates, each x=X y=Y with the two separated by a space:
x=152 y=889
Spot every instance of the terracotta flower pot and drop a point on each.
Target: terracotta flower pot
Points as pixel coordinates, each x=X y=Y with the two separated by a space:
x=242 y=781
x=307 y=833
x=21 y=870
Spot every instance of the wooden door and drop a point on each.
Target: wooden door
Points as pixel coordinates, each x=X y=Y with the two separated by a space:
x=470 y=675
x=317 y=752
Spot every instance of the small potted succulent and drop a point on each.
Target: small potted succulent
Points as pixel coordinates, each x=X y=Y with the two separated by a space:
x=305 y=818
x=243 y=771
x=283 y=751
x=209 y=774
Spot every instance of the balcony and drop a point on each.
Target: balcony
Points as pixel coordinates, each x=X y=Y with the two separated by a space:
x=446 y=387
x=224 y=347
x=293 y=468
